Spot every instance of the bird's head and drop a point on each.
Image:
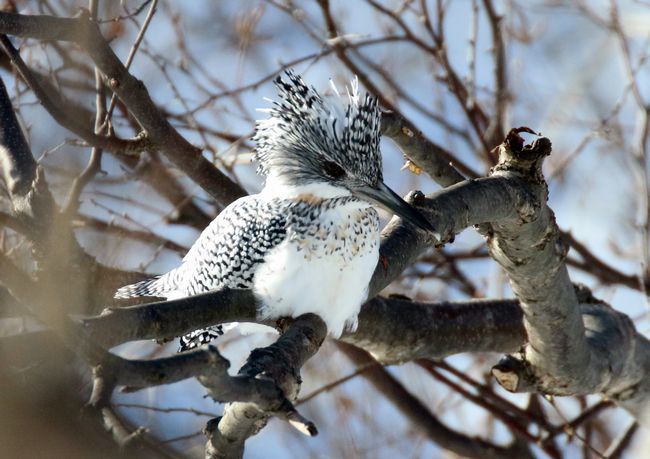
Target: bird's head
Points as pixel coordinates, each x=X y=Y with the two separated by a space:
x=306 y=140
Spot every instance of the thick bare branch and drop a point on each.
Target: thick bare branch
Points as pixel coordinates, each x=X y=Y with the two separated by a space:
x=393 y=330
x=168 y=319
x=280 y=363
x=571 y=349
x=210 y=368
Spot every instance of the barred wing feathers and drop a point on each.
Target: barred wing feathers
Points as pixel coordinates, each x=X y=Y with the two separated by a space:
x=225 y=254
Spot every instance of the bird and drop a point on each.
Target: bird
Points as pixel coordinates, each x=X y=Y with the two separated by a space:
x=308 y=242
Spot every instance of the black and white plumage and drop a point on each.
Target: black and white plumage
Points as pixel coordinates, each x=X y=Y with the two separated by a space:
x=309 y=241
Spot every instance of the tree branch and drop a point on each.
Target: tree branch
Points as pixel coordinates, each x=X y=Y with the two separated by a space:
x=572 y=349
x=495 y=131
x=95 y=162
x=280 y=363
x=395 y=330
x=59 y=111
x=131 y=91
x=433 y=159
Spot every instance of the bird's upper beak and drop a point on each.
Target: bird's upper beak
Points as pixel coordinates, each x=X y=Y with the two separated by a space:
x=391 y=201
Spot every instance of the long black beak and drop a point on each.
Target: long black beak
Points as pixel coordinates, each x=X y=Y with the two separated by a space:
x=389 y=200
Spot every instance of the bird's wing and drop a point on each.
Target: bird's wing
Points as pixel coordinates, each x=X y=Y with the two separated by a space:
x=230 y=248
x=225 y=254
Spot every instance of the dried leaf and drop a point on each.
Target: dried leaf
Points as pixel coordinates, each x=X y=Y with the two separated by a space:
x=411 y=166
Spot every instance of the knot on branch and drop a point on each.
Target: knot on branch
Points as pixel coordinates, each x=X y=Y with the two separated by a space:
x=415 y=198
x=525 y=160
x=518 y=374
x=514 y=374
x=610 y=335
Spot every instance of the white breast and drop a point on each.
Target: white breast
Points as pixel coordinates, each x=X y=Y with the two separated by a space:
x=327 y=274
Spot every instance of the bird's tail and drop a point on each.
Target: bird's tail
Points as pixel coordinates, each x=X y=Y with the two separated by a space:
x=156 y=286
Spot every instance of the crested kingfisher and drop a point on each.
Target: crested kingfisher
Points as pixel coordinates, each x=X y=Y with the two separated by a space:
x=309 y=241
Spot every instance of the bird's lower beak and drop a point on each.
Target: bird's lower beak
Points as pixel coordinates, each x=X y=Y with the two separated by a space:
x=392 y=202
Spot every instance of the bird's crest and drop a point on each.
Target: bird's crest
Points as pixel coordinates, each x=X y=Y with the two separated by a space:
x=304 y=131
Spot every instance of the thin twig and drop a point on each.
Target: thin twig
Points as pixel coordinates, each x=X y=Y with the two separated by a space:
x=132 y=52
x=95 y=162
x=328 y=387
x=132 y=146
x=136 y=12
x=164 y=410
x=621 y=443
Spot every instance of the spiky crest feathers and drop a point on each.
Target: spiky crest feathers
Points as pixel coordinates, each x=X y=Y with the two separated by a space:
x=303 y=130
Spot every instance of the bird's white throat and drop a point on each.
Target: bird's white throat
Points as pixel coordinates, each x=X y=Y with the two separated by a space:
x=275 y=187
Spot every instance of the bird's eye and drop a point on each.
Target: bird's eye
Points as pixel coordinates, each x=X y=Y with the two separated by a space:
x=333 y=170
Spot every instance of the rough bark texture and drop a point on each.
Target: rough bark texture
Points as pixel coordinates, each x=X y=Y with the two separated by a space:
x=394 y=330
x=570 y=350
